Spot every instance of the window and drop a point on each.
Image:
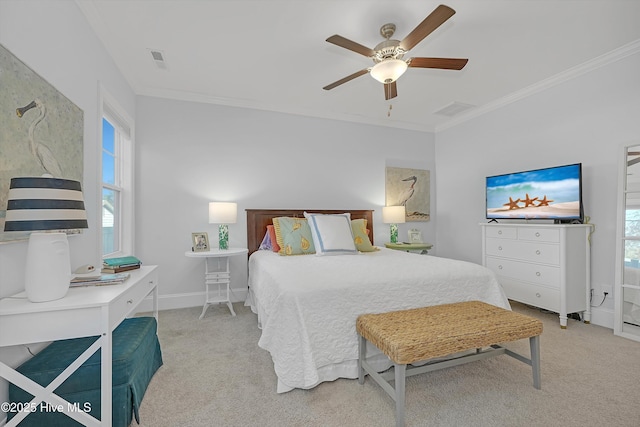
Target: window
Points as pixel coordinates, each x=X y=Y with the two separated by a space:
x=117 y=181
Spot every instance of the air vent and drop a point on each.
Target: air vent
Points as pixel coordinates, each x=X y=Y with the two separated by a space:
x=454 y=108
x=158 y=58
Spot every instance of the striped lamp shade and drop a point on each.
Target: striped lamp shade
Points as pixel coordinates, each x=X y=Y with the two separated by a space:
x=44 y=203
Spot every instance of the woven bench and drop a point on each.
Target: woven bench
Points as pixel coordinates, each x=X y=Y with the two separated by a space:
x=421 y=334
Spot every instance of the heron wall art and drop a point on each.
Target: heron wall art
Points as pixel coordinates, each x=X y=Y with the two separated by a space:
x=409 y=188
x=41 y=131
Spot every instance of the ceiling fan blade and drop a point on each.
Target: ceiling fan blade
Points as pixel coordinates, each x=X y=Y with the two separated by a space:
x=426 y=27
x=390 y=90
x=443 y=63
x=351 y=45
x=346 y=79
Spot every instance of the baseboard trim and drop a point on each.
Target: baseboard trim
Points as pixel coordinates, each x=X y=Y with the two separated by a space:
x=602 y=317
x=185 y=300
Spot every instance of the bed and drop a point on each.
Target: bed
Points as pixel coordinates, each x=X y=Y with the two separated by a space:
x=307 y=305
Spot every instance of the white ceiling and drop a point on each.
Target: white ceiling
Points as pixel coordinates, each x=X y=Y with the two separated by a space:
x=272 y=54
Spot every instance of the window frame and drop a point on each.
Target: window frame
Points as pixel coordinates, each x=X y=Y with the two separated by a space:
x=124 y=149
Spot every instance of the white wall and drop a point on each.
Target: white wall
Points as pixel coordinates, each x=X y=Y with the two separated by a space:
x=54 y=39
x=190 y=154
x=586 y=119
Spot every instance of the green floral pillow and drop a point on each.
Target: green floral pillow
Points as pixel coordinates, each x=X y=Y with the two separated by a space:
x=360 y=235
x=293 y=236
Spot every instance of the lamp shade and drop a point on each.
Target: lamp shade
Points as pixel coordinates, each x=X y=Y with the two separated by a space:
x=223 y=213
x=393 y=214
x=42 y=203
x=389 y=70
x=46 y=206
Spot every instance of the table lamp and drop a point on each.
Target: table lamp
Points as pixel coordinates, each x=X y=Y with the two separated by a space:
x=46 y=207
x=223 y=213
x=393 y=215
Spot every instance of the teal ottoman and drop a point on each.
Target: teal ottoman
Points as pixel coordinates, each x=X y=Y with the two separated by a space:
x=136 y=358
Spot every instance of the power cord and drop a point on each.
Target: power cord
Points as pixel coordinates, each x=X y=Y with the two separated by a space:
x=593 y=228
x=603 y=298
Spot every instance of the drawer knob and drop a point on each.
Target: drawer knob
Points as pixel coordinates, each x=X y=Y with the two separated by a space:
x=499 y=231
x=538 y=294
x=499 y=248
x=129 y=301
x=500 y=267
x=538 y=252
x=537 y=234
x=538 y=273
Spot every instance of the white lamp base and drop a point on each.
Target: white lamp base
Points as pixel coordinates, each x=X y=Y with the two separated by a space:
x=48 y=268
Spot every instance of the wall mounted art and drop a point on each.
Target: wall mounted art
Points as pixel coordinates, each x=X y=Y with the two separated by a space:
x=41 y=131
x=409 y=188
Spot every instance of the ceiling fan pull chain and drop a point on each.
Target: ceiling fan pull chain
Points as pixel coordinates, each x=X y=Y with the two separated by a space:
x=389 y=112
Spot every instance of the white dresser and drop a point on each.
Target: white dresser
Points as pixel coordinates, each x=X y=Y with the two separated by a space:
x=543 y=265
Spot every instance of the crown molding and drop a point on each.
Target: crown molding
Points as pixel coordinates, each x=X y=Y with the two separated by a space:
x=622 y=52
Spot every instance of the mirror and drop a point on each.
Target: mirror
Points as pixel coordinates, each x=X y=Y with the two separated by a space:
x=627 y=322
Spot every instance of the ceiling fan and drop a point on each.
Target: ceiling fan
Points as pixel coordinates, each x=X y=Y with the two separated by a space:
x=388 y=54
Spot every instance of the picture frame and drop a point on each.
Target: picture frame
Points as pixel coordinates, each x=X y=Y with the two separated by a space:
x=415 y=235
x=200 y=242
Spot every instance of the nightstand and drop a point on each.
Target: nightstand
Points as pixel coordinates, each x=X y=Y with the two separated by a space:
x=422 y=248
x=217 y=273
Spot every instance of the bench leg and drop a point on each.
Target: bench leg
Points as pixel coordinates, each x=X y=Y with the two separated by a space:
x=362 y=353
x=400 y=371
x=534 y=344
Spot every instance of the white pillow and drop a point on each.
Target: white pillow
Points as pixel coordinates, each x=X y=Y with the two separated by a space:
x=331 y=233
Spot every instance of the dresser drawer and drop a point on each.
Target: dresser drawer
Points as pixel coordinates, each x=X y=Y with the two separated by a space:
x=502 y=232
x=129 y=300
x=538 y=296
x=546 y=253
x=524 y=271
x=539 y=234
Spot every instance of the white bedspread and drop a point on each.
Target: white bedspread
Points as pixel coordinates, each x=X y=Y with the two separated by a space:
x=307 y=305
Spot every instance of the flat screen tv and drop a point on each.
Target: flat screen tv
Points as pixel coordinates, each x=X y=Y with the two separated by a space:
x=552 y=193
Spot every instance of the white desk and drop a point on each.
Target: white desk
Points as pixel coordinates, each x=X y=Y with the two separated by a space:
x=218 y=275
x=84 y=311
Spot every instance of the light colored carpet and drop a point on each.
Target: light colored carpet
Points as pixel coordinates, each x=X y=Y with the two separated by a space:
x=215 y=374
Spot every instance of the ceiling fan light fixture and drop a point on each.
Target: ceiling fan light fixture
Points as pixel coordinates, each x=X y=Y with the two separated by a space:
x=389 y=70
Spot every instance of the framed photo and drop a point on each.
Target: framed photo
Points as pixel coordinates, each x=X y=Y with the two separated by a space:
x=415 y=236
x=200 y=242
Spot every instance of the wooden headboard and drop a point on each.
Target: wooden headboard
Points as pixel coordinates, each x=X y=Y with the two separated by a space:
x=258 y=219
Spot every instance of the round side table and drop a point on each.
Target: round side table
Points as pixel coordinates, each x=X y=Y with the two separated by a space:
x=217 y=273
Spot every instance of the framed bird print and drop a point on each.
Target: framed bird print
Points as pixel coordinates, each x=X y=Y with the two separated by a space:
x=409 y=188
x=41 y=131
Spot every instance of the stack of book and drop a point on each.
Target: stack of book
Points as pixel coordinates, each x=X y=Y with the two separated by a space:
x=99 y=280
x=118 y=265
